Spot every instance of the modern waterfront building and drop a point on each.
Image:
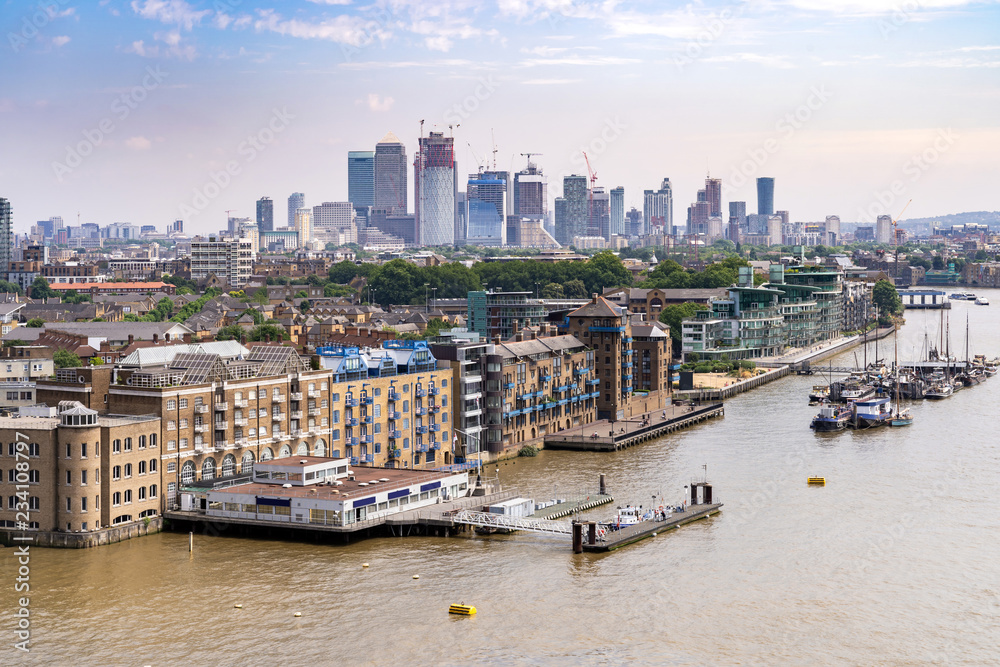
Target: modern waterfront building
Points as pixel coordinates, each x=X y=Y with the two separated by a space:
x=486 y=210
x=503 y=314
x=296 y=201
x=303 y=225
x=361 y=178
x=280 y=240
x=829 y=295
x=658 y=210
x=390 y=166
x=229 y=260
x=575 y=219
x=265 y=214
x=883 y=229
x=765 y=196
x=435 y=190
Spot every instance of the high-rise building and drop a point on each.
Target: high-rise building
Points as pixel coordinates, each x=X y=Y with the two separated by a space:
x=575 y=217
x=737 y=220
x=832 y=230
x=296 y=201
x=633 y=224
x=335 y=222
x=265 y=214
x=230 y=260
x=486 y=209
x=361 y=178
x=618 y=226
x=765 y=196
x=713 y=195
x=390 y=175
x=6 y=234
x=461 y=224
x=303 y=225
x=599 y=209
x=434 y=190
x=883 y=229
x=658 y=209
x=530 y=193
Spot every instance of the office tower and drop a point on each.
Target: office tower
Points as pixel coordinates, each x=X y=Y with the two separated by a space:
x=658 y=210
x=634 y=222
x=6 y=234
x=361 y=178
x=765 y=196
x=486 y=209
x=335 y=222
x=303 y=225
x=618 y=212
x=435 y=187
x=265 y=214
x=599 y=209
x=785 y=216
x=713 y=194
x=883 y=229
x=461 y=223
x=737 y=220
x=530 y=193
x=397 y=224
x=576 y=213
x=559 y=217
x=296 y=201
x=46 y=228
x=832 y=230
x=390 y=175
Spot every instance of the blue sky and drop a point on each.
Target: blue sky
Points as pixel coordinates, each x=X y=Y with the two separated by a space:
x=151 y=110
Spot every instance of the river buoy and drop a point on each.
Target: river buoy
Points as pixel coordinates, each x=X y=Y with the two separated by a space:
x=297 y=614
x=821 y=481
x=416 y=576
x=654 y=535
x=462 y=609
x=238 y=606
x=364 y=565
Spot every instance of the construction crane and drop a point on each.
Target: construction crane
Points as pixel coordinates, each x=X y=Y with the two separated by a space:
x=590 y=194
x=479 y=164
x=528 y=155
x=493 y=136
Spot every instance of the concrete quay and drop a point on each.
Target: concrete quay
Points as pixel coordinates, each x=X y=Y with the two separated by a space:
x=604 y=436
x=592 y=541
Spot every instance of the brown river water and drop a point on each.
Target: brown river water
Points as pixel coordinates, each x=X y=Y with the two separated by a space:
x=893 y=562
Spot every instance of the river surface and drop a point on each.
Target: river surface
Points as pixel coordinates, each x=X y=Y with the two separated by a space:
x=893 y=562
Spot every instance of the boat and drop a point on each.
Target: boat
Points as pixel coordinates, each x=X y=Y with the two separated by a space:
x=819 y=393
x=982 y=301
x=852 y=388
x=939 y=388
x=871 y=414
x=630 y=516
x=962 y=296
x=831 y=418
x=899 y=417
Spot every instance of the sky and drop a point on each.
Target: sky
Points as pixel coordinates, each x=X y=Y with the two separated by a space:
x=149 y=111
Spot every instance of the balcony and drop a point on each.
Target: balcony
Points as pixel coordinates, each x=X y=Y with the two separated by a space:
x=296 y=414
x=434 y=409
x=367 y=400
x=545 y=377
x=296 y=395
x=394 y=396
x=436 y=428
x=200 y=428
x=420 y=412
x=313 y=393
x=368 y=419
x=435 y=445
x=314 y=412
x=434 y=391
x=564 y=387
x=201 y=409
x=277 y=417
x=593 y=382
x=221 y=407
x=354 y=460
x=421 y=448
x=508 y=385
x=393 y=414
x=420 y=393
x=280 y=398
x=277 y=436
x=627 y=364
x=241 y=402
x=629 y=352
x=581 y=371
x=368 y=458
x=393 y=435
x=422 y=430
x=240 y=421
x=351 y=402
x=220 y=444
x=221 y=426
x=352 y=422
x=525 y=397
x=395 y=453
x=351 y=442
x=367 y=439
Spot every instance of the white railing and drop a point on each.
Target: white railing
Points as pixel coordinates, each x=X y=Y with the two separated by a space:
x=490 y=520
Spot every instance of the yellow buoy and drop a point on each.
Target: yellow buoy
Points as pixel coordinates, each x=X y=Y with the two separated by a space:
x=462 y=609
x=297 y=614
x=416 y=576
x=817 y=480
x=364 y=565
x=238 y=606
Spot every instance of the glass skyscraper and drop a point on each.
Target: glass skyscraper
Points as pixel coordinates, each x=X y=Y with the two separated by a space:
x=265 y=214
x=765 y=196
x=361 y=178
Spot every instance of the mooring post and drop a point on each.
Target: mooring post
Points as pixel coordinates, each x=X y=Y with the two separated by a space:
x=191 y=542
x=577 y=538
x=603 y=487
x=592 y=532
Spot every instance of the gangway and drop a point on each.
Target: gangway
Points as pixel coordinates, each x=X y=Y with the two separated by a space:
x=489 y=520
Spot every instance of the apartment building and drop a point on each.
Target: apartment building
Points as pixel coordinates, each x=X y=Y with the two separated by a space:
x=229 y=260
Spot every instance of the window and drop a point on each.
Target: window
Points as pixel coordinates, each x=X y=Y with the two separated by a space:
x=116 y=472
x=128 y=444
x=69 y=477
x=33 y=477
x=33 y=503
x=116 y=446
x=276 y=393
x=184 y=423
x=152 y=465
x=142 y=493
x=336 y=416
x=335 y=398
x=83 y=450
x=152 y=440
x=406 y=406
x=116 y=498
x=171 y=404
x=83 y=478
x=142 y=442
x=336 y=434
x=152 y=490
x=322 y=385
x=184 y=443
x=69 y=452
x=171 y=425
x=377 y=410
x=128 y=470
x=252 y=395
x=183 y=403
x=323 y=404
x=171 y=466
x=142 y=467
x=171 y=445
x=128 y=496
x=69 y=504
x=199 y=401
x=83 y=505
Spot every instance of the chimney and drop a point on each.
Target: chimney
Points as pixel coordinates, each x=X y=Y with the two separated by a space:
x=519 y=337
x=156 y=338
x=131 y=338
x=532 y=335
x=166 y=337
x=593 y=298
x=496 y=340
x=187 y=338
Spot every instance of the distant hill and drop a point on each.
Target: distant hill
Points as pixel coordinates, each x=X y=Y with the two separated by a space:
x=991 y=218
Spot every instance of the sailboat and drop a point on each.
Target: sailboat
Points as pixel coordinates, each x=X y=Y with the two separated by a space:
x=899 y=417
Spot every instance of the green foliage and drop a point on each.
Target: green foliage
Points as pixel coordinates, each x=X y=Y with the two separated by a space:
x=130 y=317
x=66 y=359
x=98 y=319
x=231 y=332
x=14 y=342
x=9 y=287
x=676 y=313
x=668 y=274
x=260 y=297
x=272 y=332
x=301 y=294
x=693 y=357
x=885 y=296
x=72 y=296
x=528 y=451
x=331 y=290
x=305 y=305
x=95 y=361
x=40 y=289
x=189 y=285
x=195 y=306
x=256 y=315
x=913 y=260
x=35 y=323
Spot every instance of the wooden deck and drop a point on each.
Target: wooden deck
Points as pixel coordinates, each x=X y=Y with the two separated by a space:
x=612 y=437
x=620 y=538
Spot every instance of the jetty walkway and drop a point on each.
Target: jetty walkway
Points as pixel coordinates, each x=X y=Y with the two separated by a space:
x=605 y=436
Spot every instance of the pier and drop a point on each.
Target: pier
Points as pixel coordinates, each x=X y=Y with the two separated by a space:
x=591 y=541
x=605 y=436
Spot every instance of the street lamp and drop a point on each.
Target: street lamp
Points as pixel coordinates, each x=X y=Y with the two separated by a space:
x=434 y=291
x=426 y=285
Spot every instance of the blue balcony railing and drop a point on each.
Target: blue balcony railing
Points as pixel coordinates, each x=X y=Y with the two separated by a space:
x=422 y=430
x=420 y=411
x=608 y=329
x=394 y=396
x=508 y=385
x=367 y=400
x=369 y=458
x=393 y=435
x=352 y=442
x=368 y=419
x=394 y=414
x=351 y=402
x=354 y=460
x=367 y=439
x=434 y=391
x=351 y=422
x=420 y=393
x=436 y=428
x=421 y=447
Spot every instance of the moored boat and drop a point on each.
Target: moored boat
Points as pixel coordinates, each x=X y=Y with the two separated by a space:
x=982 y=301
x=871 y=413
x=831 y=418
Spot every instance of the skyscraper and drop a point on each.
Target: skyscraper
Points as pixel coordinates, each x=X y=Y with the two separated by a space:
x=575 y=219
x=765 y=196
x=618 y=213
x=530 y=193
x=883 y=229
x=390 y=175
x=296 y=201
x=265 y=214
x=713 y=194
x=658 y=209
x=6 y=234
x=737 y=220
x=434 y=187
x=486 y=207
x=599 y=209
x=361 y=178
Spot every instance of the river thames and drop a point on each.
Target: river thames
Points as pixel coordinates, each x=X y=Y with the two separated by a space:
x=893 y=562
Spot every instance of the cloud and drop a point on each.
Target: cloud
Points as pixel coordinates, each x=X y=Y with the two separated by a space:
x=377 y=103
x=138 y=143
x=439 y=43
x=170 y=11
x=174 y=48
x=780 y=62
x=352 y=30
x=61 y=40
x=549 y=82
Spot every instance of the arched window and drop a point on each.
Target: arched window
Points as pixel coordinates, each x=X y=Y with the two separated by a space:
x=320 y=449
x=116 y=472
x=142 y=493
x=128 y=470
x=116 y=498
x=284 y=451
x=152 y=440
x=116 y=447
x=267 y=454
x=246 y=463
x=128 y=496
x=228 y=465
x=187 y=472
x=152 y=465
x=263 y=432
x=142 y=467
x=142 y=442
x=208 y=469
x=152 y=490
x=128 y=444
x=302 y=449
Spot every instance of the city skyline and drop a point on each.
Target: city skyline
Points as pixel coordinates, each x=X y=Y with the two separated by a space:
x=164 y=95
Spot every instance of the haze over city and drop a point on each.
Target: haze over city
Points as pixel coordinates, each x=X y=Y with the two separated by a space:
x=123 y=111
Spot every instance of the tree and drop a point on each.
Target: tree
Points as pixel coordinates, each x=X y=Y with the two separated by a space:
x=676 y=313
x=575 y=289
x=260 y=297
x=553 y=291
x=66 y=359
x=435 y=326
x=40 y=289
x=7 y=287
x=885 y=296
x=35 y=323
